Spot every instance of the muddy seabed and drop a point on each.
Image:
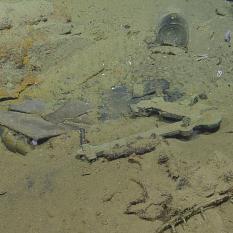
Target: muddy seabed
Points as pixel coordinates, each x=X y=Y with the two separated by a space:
x=80 y=49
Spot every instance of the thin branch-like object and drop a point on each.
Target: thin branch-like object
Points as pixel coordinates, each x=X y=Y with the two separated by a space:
x=142 y=199
x=93 y=75
x=187 y=213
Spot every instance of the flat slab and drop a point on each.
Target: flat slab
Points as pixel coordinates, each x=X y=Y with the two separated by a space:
x=31 y=126
x=69 y=111
x=33 y=106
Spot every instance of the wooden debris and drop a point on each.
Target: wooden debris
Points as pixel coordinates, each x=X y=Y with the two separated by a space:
x=187 y=213
x=189 y=115
x=145 y=142
x=175 y=217
x=120 y=148
x=143 y=213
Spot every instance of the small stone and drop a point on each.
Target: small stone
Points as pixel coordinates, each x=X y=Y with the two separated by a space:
x=34 y=142
x=5 y=23
x=203 y=96
x=228 y=176
x=186 y=121
x=163 y=159
x=193 y=100
x=15 y=142
x=182 y=182
x=98 y=213
x=227 y=36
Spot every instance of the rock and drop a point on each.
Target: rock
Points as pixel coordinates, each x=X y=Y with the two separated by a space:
x=32 y=106
x=150 y=87
x=33 y=127
x=37 y=20
x=187 y=116
x=5 y=23
x=15 y=142
x=71 y=110
x=203 y=96
x=115 y=103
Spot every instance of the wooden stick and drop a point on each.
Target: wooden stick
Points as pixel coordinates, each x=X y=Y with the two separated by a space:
x=196 y=209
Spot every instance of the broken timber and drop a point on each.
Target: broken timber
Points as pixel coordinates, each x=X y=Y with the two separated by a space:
x=187 y=213
x=188 y=117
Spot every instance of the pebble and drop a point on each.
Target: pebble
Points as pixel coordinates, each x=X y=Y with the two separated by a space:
x=5 y=23
x=163 y=159
x=227 y=36
x=203 y=96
